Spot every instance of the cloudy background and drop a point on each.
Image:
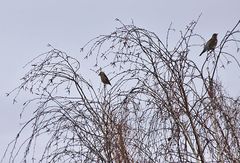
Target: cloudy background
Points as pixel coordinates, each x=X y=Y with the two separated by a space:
x=27 y=26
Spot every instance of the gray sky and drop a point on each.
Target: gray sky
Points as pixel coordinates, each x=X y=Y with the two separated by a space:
x=27 y=26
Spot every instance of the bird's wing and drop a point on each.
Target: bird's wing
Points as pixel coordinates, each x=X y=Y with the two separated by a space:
x=106 y=80
x=212 y=44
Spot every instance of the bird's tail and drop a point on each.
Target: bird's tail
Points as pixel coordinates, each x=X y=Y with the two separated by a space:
x=202 y=52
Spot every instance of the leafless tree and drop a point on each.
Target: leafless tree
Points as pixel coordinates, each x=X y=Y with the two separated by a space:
x=163 y=105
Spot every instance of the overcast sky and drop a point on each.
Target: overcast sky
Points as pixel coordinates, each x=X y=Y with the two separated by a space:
x=27 y=26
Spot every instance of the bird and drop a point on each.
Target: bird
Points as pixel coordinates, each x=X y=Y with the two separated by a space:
x=104 y=78
x=211 y=44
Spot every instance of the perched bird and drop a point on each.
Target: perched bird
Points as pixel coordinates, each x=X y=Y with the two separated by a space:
x=104 y=78
x=211 y=44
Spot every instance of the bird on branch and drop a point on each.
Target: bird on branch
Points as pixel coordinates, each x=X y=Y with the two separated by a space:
x=104 y=78
x=211 y=44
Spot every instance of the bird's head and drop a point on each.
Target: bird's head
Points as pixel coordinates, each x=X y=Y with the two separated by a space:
x=215 y=35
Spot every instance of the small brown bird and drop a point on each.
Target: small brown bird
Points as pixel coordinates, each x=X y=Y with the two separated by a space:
x=104 y=78
x=211 y=44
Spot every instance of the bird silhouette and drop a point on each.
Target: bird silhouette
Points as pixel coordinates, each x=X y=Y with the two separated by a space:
x=104 y=78
x=211 y=44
